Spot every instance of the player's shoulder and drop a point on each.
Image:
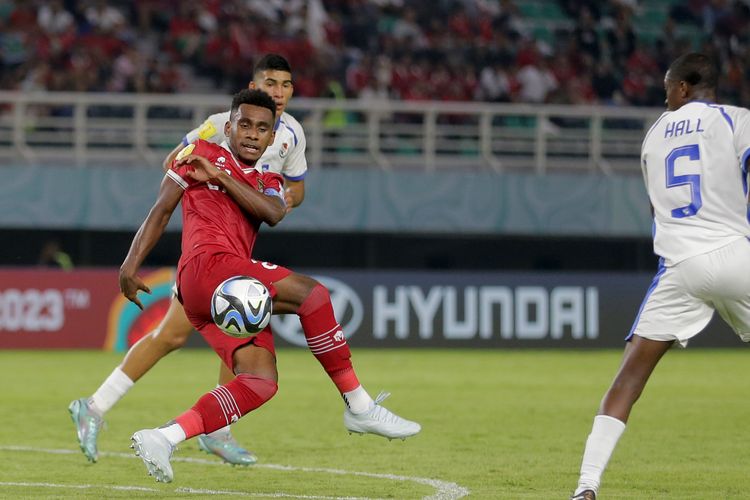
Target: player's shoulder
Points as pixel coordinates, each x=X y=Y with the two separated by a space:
x=736 y=112
x=720 y=113
x=290 y=120
x=212 y=127
x=289 y=123
x=199 y=147
x=221 y=118
x=659 y=121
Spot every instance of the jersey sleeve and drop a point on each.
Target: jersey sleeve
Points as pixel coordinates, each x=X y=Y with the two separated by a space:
x=273 y=185
x=178 y=173
x=742 y=136
x=295 y=166
x=211 y=130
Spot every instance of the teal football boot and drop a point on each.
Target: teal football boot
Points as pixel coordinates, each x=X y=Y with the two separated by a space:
x=88 y=424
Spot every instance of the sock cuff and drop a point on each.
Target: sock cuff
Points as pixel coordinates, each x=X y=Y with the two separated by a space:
x=121 y=378
x=191 y=423
x=610 y=425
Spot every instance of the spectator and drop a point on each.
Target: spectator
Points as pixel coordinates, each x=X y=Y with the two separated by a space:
x=53 y=18
x=482 y=46
x=52 y=255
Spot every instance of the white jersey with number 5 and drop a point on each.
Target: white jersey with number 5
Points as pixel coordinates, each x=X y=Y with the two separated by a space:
x=286 y=156
x=693 y=162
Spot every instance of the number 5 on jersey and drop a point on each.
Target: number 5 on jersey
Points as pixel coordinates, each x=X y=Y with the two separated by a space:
x=694 y=180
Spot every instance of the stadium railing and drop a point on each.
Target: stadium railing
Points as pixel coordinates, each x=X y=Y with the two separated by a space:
x=102 y=129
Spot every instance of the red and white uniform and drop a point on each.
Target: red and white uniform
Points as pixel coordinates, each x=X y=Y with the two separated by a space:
x=217 y=242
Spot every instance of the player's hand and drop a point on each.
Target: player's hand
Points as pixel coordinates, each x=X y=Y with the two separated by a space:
x=289 y=200
x=129 y=286
x=203 y=170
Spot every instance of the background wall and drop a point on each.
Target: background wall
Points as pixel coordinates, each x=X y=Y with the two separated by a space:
x=354 y=201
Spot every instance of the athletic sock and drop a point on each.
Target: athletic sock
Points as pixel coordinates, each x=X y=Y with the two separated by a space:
x=224 y=432
x=358 y=400
x=326 y=339
x=600 y=444
x=226 y=404
x=174 y=433
x=110 y=392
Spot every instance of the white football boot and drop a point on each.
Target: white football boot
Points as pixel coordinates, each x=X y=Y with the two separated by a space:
x=380 y=421
x=155 y=450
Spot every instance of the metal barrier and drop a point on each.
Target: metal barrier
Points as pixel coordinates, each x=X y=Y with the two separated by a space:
x=101 y=129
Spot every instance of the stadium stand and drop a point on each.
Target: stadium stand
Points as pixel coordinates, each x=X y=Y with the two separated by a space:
x=557 y=85
x=566 y=52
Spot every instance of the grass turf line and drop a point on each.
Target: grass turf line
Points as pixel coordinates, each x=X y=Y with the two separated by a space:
x=504 y=424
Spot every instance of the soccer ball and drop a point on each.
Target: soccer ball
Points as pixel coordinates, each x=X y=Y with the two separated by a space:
x=241 y=306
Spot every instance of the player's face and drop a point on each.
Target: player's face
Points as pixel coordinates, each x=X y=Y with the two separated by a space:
x=675 y=93
x=277 y=84
x=250 y=131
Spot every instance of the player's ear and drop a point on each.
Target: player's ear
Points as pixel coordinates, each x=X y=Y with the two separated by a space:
x=684 y=89
x=227 y=128
x=252 y=85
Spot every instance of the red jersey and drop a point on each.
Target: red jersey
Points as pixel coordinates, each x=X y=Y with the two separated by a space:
x=212 y=222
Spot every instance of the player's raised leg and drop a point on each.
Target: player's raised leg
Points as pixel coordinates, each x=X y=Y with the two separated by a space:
x=88 y=413
x=221 y=442
x=325 y=338
x=255 y=383
x=640 y=359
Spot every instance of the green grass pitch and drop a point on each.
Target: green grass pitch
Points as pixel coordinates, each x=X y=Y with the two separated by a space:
x=498 y=424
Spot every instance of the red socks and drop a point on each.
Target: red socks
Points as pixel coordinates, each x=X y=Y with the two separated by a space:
x=326 y=340
x=226 y=404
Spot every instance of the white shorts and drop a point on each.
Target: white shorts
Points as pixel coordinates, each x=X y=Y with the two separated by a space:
x=681 y=300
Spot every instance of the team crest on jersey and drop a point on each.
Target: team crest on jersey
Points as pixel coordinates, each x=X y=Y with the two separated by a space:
x=220 y=160
x=207 y=130
x=284 y=149
x=185 y=151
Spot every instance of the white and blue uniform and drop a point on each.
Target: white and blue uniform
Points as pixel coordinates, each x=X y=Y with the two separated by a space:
x=286 y=156
x=694 y=166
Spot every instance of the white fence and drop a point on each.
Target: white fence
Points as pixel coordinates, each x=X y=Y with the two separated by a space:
x=88 y=129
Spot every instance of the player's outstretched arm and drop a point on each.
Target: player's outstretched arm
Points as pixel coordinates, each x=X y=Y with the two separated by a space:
x=269 y=209
x=146 y=237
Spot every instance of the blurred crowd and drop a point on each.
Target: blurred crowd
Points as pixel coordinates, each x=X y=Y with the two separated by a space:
x=402 y=49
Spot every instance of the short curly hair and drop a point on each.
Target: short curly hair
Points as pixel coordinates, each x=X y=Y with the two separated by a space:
x=696 y=69
x=254 y=97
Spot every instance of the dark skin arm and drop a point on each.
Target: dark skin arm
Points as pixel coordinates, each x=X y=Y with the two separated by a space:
x=294 y=193
x=147 y=236
x=268 y=209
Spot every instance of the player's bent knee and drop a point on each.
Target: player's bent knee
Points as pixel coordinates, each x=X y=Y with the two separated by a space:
x=263 y=388
x=316 y=298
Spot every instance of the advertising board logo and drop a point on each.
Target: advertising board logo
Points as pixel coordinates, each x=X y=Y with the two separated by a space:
x=127 y=324
x=346 y=304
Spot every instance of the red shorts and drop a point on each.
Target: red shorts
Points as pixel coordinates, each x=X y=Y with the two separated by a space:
x=196 y=281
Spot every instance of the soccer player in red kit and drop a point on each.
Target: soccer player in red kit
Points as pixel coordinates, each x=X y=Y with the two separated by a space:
x=224 y=201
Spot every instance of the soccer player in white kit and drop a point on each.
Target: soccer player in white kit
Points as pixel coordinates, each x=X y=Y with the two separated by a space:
x=694 y=162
